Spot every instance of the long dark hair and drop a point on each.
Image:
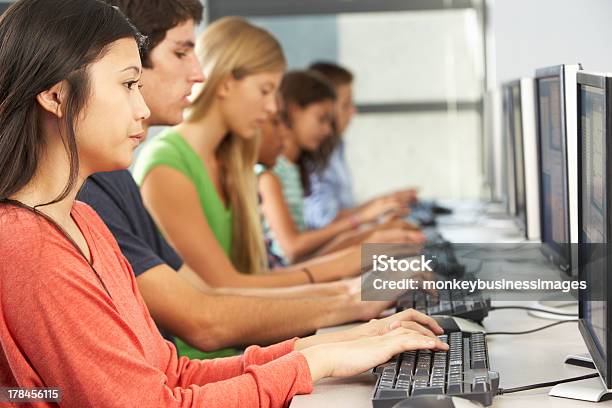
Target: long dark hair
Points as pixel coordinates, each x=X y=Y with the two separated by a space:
x=337 y=76
x=44 y=42
x=303 y=88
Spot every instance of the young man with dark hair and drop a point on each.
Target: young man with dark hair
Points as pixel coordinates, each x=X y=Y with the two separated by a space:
x=203 y=318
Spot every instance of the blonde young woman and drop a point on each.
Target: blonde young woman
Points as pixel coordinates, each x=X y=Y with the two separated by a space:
x=197 y=178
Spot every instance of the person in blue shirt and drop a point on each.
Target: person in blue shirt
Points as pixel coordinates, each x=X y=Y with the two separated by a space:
x=307 y=112
x=331 y=188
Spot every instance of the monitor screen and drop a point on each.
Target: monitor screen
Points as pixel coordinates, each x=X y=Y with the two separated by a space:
x=593 y=214
x=516 y=125
x=553 y=170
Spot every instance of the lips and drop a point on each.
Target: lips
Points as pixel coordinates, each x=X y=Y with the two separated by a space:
x=138 y=137
x=260 y=121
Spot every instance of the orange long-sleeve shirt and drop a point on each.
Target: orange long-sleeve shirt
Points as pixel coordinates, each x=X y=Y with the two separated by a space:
x=60 y=328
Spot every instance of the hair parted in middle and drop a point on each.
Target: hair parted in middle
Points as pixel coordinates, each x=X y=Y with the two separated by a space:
x=232 y=46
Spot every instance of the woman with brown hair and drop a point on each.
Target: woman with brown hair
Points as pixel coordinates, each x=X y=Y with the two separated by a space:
x=308 y=103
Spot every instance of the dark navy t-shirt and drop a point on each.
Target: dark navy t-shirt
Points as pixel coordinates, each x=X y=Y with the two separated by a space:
x=116 y=198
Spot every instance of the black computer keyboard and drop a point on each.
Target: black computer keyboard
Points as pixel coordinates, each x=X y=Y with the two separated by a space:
x=468 y=305
x=433 y=236
x=425 y=212
x=422 y=217
x=445 y=262
x=462 y=371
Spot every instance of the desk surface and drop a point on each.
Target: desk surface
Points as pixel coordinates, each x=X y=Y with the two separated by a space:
x=520 y=360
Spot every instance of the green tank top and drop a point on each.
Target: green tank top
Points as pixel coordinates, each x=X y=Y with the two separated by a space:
x=170 y=149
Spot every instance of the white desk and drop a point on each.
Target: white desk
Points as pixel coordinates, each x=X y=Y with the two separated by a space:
x=520 y=360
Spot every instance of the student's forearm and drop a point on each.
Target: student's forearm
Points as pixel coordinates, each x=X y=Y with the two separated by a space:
x=210 y=322
x=299 y=244
x=231 y=278
x=300 y=291
x=345 y=263
x=345 y=241
x=316 y=290
x=239 y=321
x=294 y=279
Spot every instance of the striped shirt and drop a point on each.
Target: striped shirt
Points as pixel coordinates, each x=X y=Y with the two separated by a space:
x=288 y=174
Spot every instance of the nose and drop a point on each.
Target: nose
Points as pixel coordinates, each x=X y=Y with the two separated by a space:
x=196 y=73
x=272 y=106
x=327 y=129
x=142 y=111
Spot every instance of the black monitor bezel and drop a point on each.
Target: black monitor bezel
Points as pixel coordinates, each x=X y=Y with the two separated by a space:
x=603 y=365
x=559 y=260
x=507 y=87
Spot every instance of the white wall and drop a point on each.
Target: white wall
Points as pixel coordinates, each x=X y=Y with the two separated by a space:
x=414 y=57
x=436 y=151
x=531 y=34
x=401 y=57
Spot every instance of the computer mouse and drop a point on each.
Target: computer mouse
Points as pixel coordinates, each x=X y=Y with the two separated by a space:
x=453 y=324
x=437 y=401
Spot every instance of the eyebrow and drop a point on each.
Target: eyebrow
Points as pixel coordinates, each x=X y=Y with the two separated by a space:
x=133 y=68
x=187 y=44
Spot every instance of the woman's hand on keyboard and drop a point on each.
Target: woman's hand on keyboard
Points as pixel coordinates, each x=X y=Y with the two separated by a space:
x=408 y=319
x=347 y=358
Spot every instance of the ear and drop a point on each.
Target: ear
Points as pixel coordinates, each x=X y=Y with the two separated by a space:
x=52 y=99
x=226 y=86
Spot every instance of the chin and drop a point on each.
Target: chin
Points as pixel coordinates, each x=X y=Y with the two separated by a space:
x=169 y=119
x=122 y=164
x=247 y=134
x=124 y=161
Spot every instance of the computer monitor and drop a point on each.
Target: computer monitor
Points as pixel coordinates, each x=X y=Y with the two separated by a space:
x=518 y=156
x=509 y=159
x=488 y=145
x=519 y=125
x=595 y=217
x=556 y=117
x=492 y=145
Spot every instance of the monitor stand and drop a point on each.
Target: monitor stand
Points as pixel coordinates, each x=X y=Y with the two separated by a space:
x=592 y=390
x=580 y=360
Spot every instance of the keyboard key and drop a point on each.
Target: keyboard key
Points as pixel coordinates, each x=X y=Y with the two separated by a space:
x=392 y=394
x=459 y=307
x=428 y=390
x=479 y=385
x=455 y=389
x=480 y=363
